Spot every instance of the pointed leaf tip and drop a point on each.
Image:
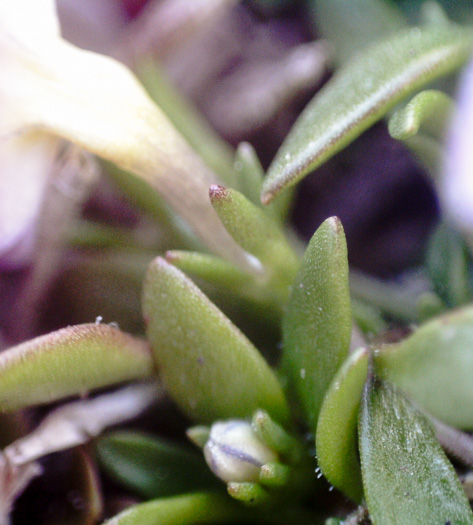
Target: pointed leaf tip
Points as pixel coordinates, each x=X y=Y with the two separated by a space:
x=317 y=324
x=217 y=192
x=361 y=93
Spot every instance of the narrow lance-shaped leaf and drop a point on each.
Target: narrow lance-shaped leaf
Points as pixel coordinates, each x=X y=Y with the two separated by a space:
x=259 y=235
x=434 y=367
x=336 y=438
x=448 y=264
x=152 y=467
x=181 y=510
x=361 y=93
x=406 y=475
x=317 y=324
x=70 y=361
x=210 y=368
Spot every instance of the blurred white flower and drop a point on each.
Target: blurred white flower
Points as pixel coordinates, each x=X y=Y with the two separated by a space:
x=457 y=184
x=234 y=453
x=50 y=88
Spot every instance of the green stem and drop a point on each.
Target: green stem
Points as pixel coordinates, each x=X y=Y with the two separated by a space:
x=402 y=301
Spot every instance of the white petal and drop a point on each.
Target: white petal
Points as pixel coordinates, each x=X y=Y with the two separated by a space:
x=97 y=103
x=25 y=162
x=458 y=173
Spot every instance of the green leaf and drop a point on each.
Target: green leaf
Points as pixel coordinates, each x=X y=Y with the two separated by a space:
x=361 y=93
x=250 y=180
x=336 y=438
x=259 y=235
x=434 y=367
x=211 y=268
x=211 y=369
x=406 y=475
x=289 y=448
x=350 y=26
x=317 y=323
x=422 y=124
x=152 y=467
x=448 y=264
x=429 y=112
x=209 y=508
x=182 y=510
x=70 y=361
x=216 y=153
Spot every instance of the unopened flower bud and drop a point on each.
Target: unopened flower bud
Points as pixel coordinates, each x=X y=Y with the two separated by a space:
x=234 y=452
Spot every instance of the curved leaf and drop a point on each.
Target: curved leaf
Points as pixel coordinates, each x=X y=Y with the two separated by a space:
x=336 y=438
x=429 y=110
x=361 y=93
x=211 y=369
x=317 y=323
x=406 y=475
x=70 y=361
x=152 y=467
x=434 y=366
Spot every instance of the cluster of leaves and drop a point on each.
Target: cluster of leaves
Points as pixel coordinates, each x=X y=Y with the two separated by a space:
x=374 y=412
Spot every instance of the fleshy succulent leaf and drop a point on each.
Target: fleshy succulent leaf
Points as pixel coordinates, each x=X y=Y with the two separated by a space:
x=448 y=264
x=317 y=323
x=181 y=510
x=210 y=368
x=433 y=366
x=336 y=438
x=422 y=124
x=209 y=267
x=429 y=111
x=259 y=235
x=406 y=475
x=68 y=362
x=152 y=467
x=361 y=93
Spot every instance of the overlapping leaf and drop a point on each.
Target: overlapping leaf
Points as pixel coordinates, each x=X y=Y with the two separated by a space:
x=336 y=438
x=434 y=367
x=406 y=475
x=211 y=369
x=317 y=323
x=70 y=361
x=361 y=93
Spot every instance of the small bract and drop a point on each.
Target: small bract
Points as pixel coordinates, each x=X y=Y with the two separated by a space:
x=234 y=452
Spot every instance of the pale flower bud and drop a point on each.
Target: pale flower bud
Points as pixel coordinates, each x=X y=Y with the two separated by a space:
x=234 y=452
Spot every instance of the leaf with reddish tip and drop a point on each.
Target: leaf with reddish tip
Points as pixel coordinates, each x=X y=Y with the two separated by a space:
x=361 y=93
x=70 y=361
x=210 y=368
x=336 y=438
x=259 y=235
x=406 y=475
x=317 y=323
